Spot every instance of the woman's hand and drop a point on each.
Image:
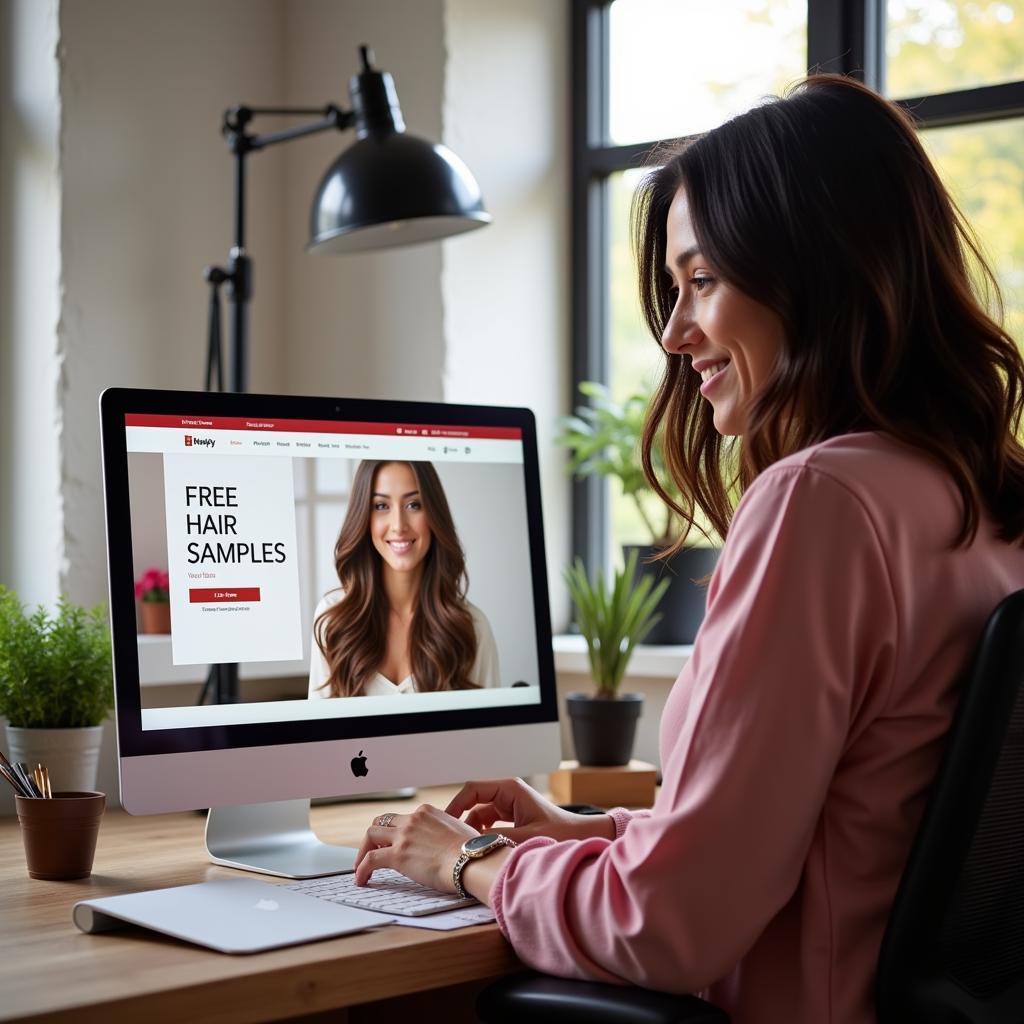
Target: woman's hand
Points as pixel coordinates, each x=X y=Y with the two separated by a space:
x=531 y=815
x=423 y=845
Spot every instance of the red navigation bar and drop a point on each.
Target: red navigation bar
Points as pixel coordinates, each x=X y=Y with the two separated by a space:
x=320 y=426
x=223 y=595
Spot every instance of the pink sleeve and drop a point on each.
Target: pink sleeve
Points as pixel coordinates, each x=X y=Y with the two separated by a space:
x=800 y=624
x=622 y=817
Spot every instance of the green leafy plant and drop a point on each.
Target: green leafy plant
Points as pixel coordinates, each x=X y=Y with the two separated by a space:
x=55 y=670
x=603 y=439
x=613 y=620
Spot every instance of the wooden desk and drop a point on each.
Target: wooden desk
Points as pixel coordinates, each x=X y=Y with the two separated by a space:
x=49 y=971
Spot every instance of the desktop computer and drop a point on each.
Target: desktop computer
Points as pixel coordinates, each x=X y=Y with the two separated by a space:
x=284 y=524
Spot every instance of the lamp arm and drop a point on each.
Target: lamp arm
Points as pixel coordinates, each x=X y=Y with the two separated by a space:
x=238 y=272
x=236 y=121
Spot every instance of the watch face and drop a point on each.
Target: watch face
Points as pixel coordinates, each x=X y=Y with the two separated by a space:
x=480 y=843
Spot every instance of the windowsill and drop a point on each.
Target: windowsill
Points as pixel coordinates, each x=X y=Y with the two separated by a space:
x=648 y=662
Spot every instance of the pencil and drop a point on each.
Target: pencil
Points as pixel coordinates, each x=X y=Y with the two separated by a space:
x=15 y=780
x=22 y=770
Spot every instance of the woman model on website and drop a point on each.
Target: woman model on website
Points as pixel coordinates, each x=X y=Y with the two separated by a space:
x=400 y=622
x=827 y=361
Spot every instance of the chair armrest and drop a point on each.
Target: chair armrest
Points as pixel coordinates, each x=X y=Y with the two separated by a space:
x=541 y=999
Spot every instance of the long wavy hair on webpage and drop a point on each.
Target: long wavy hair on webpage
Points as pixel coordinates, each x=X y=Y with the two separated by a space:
x=352 y=633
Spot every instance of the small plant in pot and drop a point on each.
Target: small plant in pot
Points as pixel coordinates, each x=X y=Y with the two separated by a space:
x=152 y=591
x=613 y=620
x=56 y=687
x=603 y=439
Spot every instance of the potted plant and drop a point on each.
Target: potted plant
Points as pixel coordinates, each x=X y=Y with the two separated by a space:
x=56 y=687
x=603 y=439
x=613 y=621
x=152 y=591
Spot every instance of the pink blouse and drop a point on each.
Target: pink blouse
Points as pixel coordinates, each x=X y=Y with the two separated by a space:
x=797 y=747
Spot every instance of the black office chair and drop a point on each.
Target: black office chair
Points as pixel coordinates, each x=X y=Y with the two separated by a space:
x=953 y=951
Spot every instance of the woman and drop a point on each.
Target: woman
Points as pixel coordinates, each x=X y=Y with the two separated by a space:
x=826 y=363
x=400 y=622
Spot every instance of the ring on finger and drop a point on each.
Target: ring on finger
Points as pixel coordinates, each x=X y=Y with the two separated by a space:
x=384 y=820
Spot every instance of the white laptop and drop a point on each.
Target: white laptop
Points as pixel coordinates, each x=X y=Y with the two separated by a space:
x=231 y=915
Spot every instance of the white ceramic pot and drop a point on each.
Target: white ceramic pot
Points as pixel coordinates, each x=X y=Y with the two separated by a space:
x=72 y=756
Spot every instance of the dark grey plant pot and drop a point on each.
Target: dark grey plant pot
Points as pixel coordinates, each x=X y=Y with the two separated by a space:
x=604 y=728
x=682 y=606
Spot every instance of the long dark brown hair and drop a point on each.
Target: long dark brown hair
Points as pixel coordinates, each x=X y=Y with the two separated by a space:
x=824 y=207
x=352 y=633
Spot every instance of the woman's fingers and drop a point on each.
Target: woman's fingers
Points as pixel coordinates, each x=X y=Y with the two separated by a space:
x=377 y=835
x=373 y=859
x=364 y=848
x=497 y=791
x=483 y=816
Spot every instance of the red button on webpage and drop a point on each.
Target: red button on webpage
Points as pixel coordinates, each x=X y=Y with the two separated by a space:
x=223 y=595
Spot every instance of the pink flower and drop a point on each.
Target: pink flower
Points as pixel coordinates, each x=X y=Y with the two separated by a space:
x=153 y=585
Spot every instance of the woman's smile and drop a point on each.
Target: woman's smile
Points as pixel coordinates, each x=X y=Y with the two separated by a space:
x=710 y=372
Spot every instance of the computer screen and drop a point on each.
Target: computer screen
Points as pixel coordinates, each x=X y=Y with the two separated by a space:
x=374 y=569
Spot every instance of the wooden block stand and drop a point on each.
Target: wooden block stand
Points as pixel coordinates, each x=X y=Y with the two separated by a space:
x=631 y=785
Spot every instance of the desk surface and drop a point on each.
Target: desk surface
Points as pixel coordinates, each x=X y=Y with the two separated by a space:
x=49 y=971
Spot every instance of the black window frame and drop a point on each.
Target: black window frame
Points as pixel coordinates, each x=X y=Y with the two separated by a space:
x=843 y=36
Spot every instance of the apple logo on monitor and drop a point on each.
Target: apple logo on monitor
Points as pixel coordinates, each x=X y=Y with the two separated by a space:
x=266 y=904
x=359 y=768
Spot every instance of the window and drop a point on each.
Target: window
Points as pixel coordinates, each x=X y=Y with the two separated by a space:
x=647 y=71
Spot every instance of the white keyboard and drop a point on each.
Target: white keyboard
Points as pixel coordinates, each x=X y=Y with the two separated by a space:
x=389 y=892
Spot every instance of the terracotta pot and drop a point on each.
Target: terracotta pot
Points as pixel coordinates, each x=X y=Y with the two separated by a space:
x=60 y=834
x=155 y=616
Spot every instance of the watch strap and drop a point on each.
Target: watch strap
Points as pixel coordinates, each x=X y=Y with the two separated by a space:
x=465 y=858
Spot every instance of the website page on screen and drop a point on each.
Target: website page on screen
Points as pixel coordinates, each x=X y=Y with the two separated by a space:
x=258 y=522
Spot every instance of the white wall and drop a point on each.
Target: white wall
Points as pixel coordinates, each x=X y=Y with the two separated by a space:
x=365 y=325
x=147 y=193
x=506 y=288
x=30 y=285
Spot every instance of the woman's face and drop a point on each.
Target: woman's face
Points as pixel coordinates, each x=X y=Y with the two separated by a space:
x=398 y=523
x=731 y=339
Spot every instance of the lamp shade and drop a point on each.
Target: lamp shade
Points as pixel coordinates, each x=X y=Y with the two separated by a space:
x=392 y=188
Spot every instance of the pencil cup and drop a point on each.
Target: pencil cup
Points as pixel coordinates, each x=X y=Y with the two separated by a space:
x=60 y=834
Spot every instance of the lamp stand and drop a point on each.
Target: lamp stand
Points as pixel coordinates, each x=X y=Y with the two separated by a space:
x=237 y=274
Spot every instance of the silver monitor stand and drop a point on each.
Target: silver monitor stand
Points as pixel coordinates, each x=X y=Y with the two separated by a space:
x=276 y=839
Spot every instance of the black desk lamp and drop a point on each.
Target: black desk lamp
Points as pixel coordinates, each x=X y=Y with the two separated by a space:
x=386 y=189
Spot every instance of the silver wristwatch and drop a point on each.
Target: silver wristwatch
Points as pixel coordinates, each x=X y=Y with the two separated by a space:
x=474 y=849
